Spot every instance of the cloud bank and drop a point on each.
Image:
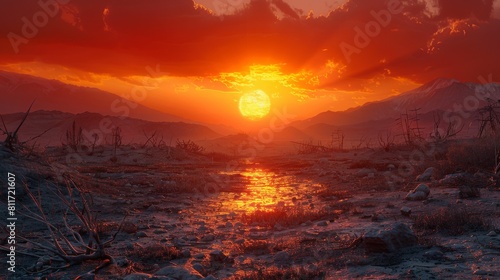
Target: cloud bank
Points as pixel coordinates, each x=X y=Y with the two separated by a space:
x=121 y=37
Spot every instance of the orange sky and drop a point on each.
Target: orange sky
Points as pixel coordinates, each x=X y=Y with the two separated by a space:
x=309 y=57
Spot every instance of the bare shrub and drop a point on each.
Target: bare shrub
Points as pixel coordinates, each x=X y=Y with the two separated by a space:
x=74 y=232
x=189 y=146
x=473 y=155
x=387 y=141
x=12 y=140
x=117 y=139
x=74 y=136
x=452 y=221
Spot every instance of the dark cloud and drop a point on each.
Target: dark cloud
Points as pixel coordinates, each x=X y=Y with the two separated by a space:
x=122 y=37
x=462 y=9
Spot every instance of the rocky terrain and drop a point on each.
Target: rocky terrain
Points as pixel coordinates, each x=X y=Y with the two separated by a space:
x=344 y=215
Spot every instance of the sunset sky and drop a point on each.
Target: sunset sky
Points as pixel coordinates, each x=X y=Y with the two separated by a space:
x=195 y=59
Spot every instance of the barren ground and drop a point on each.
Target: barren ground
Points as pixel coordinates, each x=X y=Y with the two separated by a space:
x=305 y=215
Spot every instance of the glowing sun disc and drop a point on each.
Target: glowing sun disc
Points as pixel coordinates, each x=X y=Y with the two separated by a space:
x=255 y=105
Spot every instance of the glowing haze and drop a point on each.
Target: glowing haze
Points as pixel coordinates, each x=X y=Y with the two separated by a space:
x=207 y=54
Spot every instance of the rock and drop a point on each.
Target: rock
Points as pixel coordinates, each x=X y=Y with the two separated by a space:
x=178 y=273
x=186 y=253
x=426 y=176
x=141 y=234
x=416 y=196
x=238 y=225
x=434 y=254
x=282 y=258
x=423 y=188
x=492 y=233
x=137 y=276
x=421 y=192
x=210 y=277
x=456 y=179
x=278 y=227
x=468 y=192
x=394 y=237
x=218 y=256
x=200 y=268
x=405 y=211
x=122 y=261
x=208 y=238
x=322 y=223
x=363 y=172
x=199 y=256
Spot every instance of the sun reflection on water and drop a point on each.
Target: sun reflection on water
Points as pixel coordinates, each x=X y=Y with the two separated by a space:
x=264 y=190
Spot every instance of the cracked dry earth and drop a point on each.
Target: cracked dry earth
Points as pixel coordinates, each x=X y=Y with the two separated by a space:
x=195 y=219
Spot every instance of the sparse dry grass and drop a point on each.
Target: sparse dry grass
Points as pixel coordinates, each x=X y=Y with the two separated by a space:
x=255 y=247
x=472 y=155
x=286 y=216
x=154 y=253
x=274 y=273
x=452 y=221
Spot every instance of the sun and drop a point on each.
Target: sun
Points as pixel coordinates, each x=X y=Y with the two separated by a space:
x=255 y=105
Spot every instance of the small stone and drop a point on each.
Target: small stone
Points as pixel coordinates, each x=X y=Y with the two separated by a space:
x=192 y=238
x=238 y=225
x=199 y=256
x=208 y=238
x=492 y=233
x=137 y=276
x=178 y=273
x=468 y=192
x=186 y=253
x=322 y=223
x=141 y=234
x=198 y=267
x=239 y=241
x=202 y=228
x=426 y=176
x=434 y=254
x=281 y=257
x=389 y=239
x=405 y=211
x=421 y=192
x=218 y=255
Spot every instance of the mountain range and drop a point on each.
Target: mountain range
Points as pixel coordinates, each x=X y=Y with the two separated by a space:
x=58 y=105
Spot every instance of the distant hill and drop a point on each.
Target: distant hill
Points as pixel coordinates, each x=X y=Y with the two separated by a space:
x=133 y=130
x=440 y=94
x=18 y=91
x=374 y=118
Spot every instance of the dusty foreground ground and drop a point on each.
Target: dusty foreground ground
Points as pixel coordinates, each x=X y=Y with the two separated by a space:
x=339 y=216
